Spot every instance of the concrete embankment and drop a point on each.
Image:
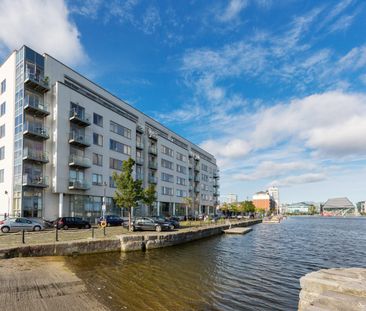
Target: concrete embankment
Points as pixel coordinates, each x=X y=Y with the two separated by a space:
x=124 y=243
x=42 y=284
x=334 y=289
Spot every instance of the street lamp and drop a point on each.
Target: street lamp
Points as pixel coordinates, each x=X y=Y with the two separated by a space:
x=7 y=194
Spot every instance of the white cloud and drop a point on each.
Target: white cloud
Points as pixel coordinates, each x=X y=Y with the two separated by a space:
x=232 y=10
x=44 y=26
x=299 y=179
x=232 y=149
x=150 y=20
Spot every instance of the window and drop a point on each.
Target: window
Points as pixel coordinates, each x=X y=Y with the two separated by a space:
x=169 y=152
x=204 y=167
x=97 y=119
x=204 y=187
x=2 y=153
x=112 y=183
x=204 y=177
x=120 y=130
x=2 y=109
x=97 y=139
x=181 y=157
x=3 y=86
x=181 y=193
x=115 y=164
x=97 y=179
x=181 y=169
x=119 y=147
x=166 y=191
x=2 y=131
x=166 y=164
x=1 y=176
x=181 y=181
x=97 y=159
x=167 y=177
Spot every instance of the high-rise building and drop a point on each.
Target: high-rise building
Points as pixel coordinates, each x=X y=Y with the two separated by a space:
x=62 y=136
x=274 y=193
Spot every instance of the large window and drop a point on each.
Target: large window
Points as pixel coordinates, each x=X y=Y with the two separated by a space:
x=2 y=109
x=204 y=167
x=3 y=86
x=169 y=152
x=97 y=139
x=166 y=191
x=166 y=164
x=181 y=169
x=97 y=159
x=2 y=131
x=181 y=157
x=181 y=181
x=97 y=119
x=167 y=177
x=97 y=179
x=2 y=153
x=120 y=130
x=119 y=147
x=204 y=177
x=115 y=164
x=181 y=193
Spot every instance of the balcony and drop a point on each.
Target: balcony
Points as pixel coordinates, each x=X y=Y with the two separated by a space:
x=140 y=129
x=153 y=150
x=140 y=177
x=190 y=177
x=35 y=131
x=153 y=165
x=79 y=184
x=139 y=145
x=216 y=185
x=35 y=155
x=38 y=181
x=36 y=108
x=197 y=168
x=79 y=139
x=79 y=118
x=197 y=179
x=153 y=179
x=197 y=189
x=36 y=82
x=216 y=194
x=139 y=161
x=216 y=175
x=79 y=161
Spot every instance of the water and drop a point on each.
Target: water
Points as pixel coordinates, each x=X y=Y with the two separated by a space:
x=257 y=271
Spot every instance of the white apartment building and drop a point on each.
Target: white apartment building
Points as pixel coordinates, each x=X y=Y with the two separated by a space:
x=274 y=193
x=62 y=136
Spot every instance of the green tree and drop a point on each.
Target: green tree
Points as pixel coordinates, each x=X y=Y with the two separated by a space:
x=312 y=210
x=188 y=201
x=248 y=207
x=129 y=192
x=149 y=195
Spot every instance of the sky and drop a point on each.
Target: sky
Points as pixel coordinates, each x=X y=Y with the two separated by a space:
x=275 y=90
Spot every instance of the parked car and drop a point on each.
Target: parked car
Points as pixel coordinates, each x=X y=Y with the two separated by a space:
x=46 y=223
x=71 y=222
x=18 y=224
x=172 y=220
x=150 y=223
x=112 y=220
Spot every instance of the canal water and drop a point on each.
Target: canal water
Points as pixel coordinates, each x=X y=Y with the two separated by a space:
x=257 y=271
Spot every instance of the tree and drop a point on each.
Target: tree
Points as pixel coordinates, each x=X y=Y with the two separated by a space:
x=248 y=207
x=129 y=192
x=149 y=195
x=312 y=210
x=188 y=203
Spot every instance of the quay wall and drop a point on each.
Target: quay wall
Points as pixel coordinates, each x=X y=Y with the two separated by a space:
x=123 y=243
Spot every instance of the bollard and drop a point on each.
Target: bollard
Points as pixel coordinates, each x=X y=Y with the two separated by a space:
x=56 y=233
x=93 y=235
x=104 y=231
x=23 y=236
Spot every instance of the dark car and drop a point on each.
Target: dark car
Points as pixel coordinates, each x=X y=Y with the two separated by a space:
x=112 y=220
x=149 y=223
x=71 y=222
x=174 y=221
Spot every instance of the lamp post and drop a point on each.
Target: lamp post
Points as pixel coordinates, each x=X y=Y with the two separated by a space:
x=7 y=194
x=104 y=202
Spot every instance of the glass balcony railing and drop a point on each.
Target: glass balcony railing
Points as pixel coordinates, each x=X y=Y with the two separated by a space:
x=79 y=139
x=196 y=179
x=153 y=165
x=34 y=180
x=80 y=117
x=153 y=150
x=79 y=161
x=35 y=106
x=35 y=155
x=139 y=145
x=153 y=179
x=37 y=82
x=35 y=130
x=139 y=161
x=75 y=184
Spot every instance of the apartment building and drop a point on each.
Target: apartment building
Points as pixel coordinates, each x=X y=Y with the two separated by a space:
x=62 y=136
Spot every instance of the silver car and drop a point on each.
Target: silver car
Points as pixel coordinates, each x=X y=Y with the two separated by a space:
x=19 y=224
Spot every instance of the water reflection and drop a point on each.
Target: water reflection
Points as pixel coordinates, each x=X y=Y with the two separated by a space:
x=258 y=271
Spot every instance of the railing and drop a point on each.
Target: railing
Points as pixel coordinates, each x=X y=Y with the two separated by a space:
x=190 y=177
x=139 y=177
x=79 y=138
x=79 y=161
x=196 y=179
x=140 y=161
x=153 y=150
x=79 y=116
x=36 y=105
x=153 y=165
x=35 y=180
x=153 y=179
x=140 y=145
x=79 y=184
x=35 y=129
x=35 y=155
x=38 y=79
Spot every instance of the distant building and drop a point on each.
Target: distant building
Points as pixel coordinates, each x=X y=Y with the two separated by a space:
x=229 y=198
x=361 y=207
x=299 y=207
x=263 y=200
x=338 y=207
x=274 y=193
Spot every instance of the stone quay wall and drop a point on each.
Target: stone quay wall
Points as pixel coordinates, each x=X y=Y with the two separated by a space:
x=333 y=289
x=123 y=243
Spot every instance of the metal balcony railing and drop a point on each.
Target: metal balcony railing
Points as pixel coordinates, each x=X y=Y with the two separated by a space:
x=36 y=107
x=35 y=130
x=79 y=161
x=37 y=82
x=79 y=117
x=79 y=139
x=34 y=180
x=35 y=155
x=75 y=184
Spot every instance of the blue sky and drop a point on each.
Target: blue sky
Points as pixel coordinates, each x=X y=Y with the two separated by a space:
x=276 y=90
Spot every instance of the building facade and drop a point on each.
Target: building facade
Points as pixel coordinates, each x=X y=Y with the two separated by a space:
x=62 y=137
x=262 y=200
x=275 y=194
